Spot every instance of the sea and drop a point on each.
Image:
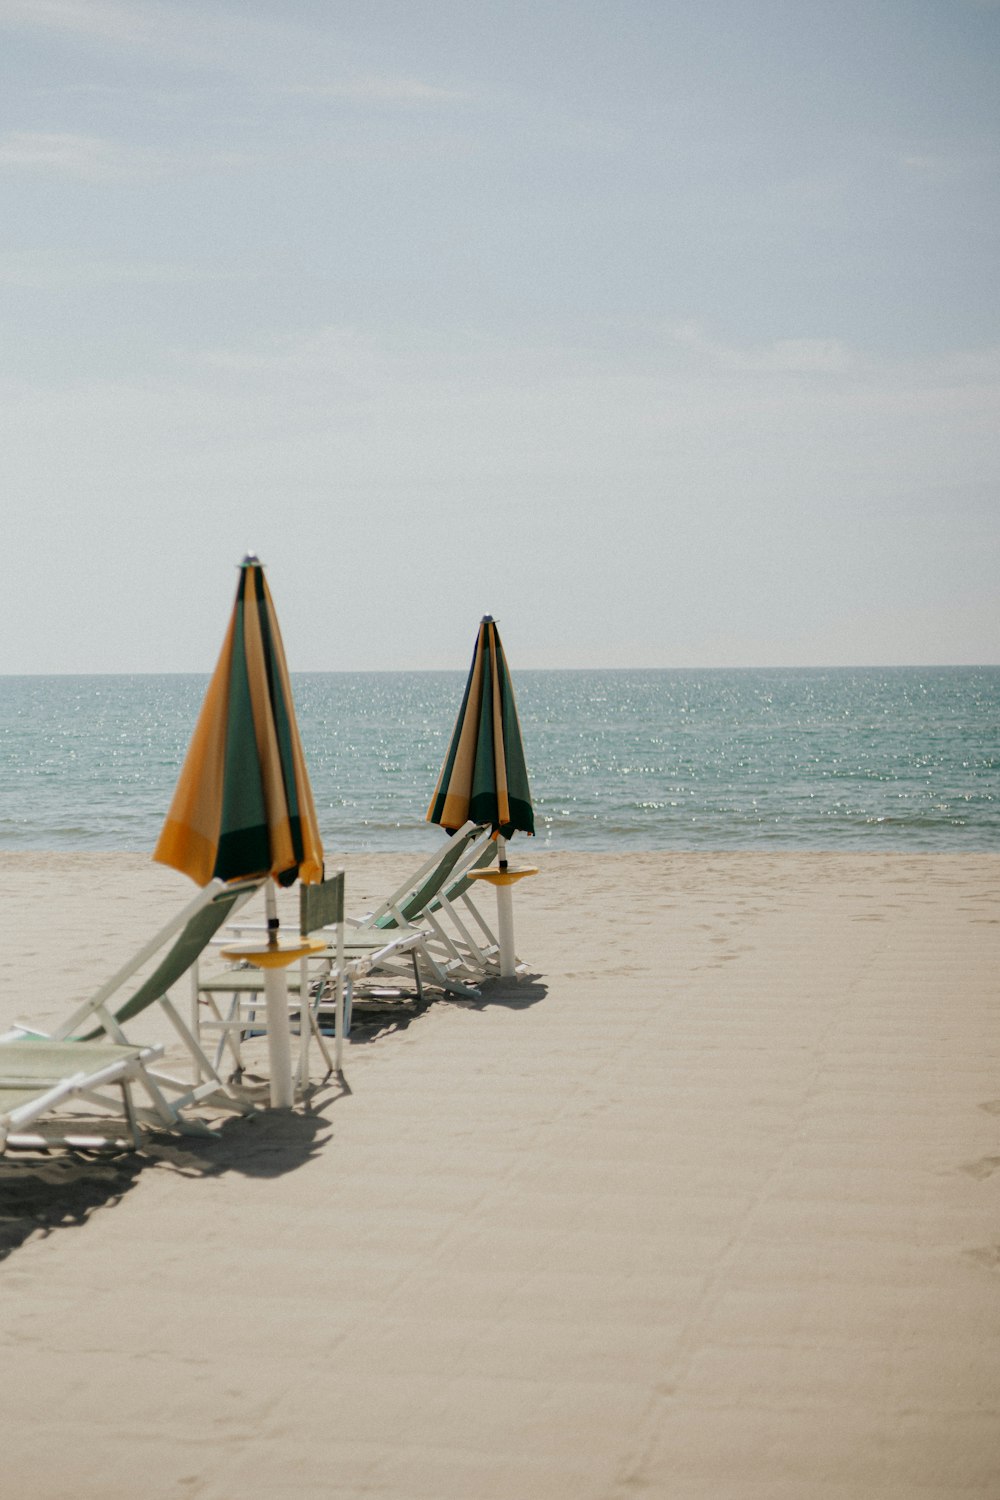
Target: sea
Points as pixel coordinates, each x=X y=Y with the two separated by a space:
x=902 y=758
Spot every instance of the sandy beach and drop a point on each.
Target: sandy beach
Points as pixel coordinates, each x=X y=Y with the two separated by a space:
x=707 y=1207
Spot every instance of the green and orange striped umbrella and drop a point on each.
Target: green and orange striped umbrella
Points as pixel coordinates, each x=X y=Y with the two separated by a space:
x=484 y=777
x=243 y=804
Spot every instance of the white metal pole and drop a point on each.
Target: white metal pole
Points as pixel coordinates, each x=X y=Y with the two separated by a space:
x=278 y=1038
x=279 y=1042
x=505 y=917
x=339 y=993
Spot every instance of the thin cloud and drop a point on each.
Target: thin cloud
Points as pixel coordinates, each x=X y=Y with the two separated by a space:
x=333 y=352
x=196 y=38
x=53 y=273
x=281 y=55
x=383 y=90
x=944 y=167
x=91 y=157
x=780 y=357
x=103 y=19
x=94 y=158
x=957 y=368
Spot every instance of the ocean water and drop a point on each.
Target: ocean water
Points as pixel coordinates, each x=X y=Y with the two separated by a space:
x=861 y=759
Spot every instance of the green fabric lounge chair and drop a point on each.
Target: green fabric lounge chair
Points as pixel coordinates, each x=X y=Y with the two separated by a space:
x=455 y=902
x=326 y=979
x=427 y=901
x=39 y=1079
x=108 y=1015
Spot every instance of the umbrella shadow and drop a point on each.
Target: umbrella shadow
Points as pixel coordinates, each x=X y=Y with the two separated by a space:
x=268 y=1143
x=514 y=994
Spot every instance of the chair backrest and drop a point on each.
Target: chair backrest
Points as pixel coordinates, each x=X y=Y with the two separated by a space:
x=194 y=938
x=321 y=905
x=463 y=884
x=418 y=900
x=208 y=916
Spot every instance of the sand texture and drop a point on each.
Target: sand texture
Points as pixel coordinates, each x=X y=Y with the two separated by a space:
x=706 y=1208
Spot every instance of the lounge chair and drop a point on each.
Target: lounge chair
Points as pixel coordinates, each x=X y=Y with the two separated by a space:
x=430 y=901
x=310 y=985
x=100 y=1022
x=405 y=934
x=320 y=990
x=39 y=1078
x=456 y=902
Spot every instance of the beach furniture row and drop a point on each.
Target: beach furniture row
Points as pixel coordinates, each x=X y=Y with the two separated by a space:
x=429 y=932
x=242 y=822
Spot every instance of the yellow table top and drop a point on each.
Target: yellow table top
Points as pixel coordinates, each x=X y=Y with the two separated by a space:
x=273 y=955
x=503 y=877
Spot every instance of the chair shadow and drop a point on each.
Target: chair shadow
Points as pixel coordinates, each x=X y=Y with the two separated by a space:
x=373 y=1018
x=40 y=1194
x=371 y=1022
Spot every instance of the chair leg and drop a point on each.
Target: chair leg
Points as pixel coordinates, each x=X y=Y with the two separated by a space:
x=309 y=1027
x=227 y=1027
x=129 y=1109
x=317 y=1032
x=306 y=1027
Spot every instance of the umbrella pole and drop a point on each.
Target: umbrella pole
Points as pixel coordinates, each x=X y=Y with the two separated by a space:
x=279 y=1043
x=505 y=916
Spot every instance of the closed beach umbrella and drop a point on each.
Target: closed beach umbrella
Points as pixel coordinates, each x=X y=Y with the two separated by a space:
x=484 y=776
x=243 y=805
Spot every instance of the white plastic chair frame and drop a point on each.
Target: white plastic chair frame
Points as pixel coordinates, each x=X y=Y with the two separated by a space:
x=190 y=929
x=38 y=1077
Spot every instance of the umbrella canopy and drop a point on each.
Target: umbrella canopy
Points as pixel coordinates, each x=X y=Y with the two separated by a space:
x=243 y=804
x=484 y=776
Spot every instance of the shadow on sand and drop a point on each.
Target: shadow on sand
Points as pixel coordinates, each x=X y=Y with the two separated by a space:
x=510 y=994
x=376 y=1016
x=375 y=1019
x=40 y=1193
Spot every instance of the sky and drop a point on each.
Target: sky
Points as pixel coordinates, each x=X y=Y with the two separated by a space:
x=667 y=333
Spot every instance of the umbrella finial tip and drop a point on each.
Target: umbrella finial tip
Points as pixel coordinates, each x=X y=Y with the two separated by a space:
x=250 y=561
x=486 y=620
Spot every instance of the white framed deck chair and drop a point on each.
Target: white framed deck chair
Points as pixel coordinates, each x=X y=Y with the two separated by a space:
x=455 y=903
x=409 y=954
x=228 y=1001
x=311 y=985
x=451 y=957
x=319 y=990
x=40 y=1078
x=348 y=957
x=106 y=1015
x=321 y=908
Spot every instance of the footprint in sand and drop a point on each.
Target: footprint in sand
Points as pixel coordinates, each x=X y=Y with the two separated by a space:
x=986 y=1255
x=985 y=1167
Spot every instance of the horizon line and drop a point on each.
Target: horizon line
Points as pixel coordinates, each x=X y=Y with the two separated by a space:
x=414 y=671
